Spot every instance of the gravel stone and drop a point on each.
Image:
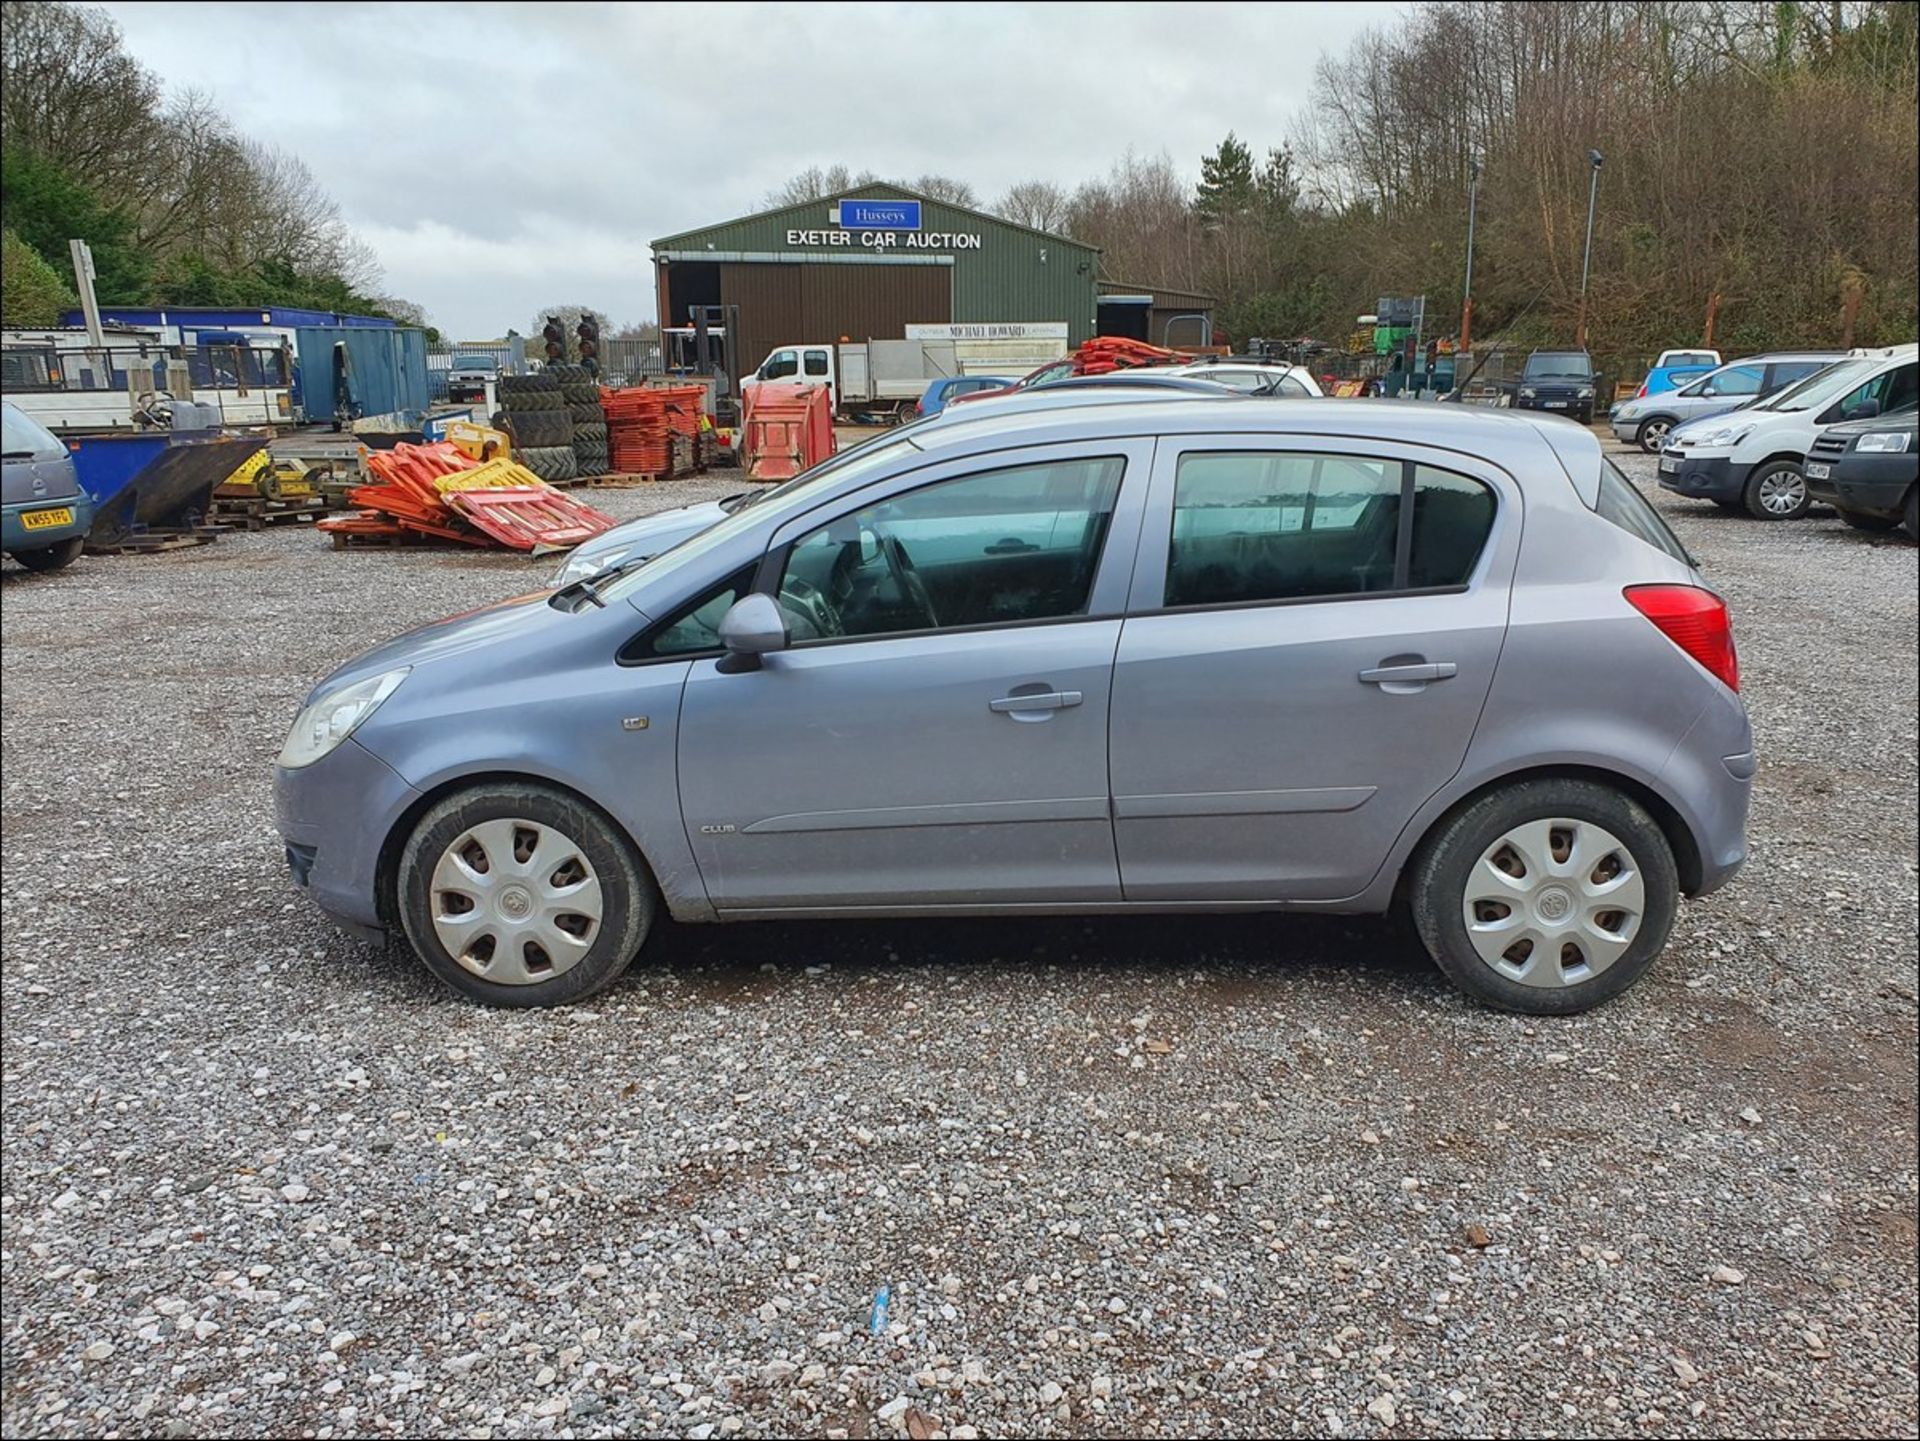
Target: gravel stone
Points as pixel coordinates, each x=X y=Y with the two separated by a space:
x=665 y=1197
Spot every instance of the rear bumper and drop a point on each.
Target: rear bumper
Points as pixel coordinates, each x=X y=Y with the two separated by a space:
x=1710 y=477
x=14 y=534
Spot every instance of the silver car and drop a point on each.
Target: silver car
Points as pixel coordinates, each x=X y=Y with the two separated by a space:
x=1645 y=419
x=1177 y=653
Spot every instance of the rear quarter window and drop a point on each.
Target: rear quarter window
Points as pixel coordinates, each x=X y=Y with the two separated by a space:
x=1621 y=503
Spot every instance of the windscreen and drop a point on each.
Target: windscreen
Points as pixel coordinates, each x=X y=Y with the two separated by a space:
x=1820 y=387
x=1572 y=366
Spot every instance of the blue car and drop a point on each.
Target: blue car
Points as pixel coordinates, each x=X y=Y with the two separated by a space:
x=948 y=386
x=45 y=515
x=1674 y=369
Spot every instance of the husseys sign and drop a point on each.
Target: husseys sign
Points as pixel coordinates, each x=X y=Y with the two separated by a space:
x=881 y=225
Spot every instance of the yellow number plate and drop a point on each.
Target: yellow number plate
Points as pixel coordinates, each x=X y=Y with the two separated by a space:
x=47 y=519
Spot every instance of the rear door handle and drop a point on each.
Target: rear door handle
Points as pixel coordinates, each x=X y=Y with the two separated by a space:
x=1044 y=700
x=1415 y=674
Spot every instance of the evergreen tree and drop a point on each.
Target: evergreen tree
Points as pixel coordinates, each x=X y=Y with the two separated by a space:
x=1226 y=181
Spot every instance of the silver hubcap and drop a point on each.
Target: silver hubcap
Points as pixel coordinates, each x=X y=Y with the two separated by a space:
x=1656 y=432
x=1783 y=492
x=515 y=902
x=1554 y=902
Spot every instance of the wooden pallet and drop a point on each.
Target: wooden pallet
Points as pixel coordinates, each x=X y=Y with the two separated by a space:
x=158 y=539
x=411 y=540
x=619 y=478
x=258 y=513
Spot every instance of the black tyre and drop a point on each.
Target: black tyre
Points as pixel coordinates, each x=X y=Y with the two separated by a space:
x=1912 y=523
x=1586 y=416
x=1547 y=897
x=540 y=427
x=551 y=462
x=1737 y=506
x=591 y=462
x=593 y=433
x=566 y=375
x=519 y=895
x=587 y=413
x=1859 y=520
x=57 y=556
x=583 y=392
x=530 y=400
x=1652 y=433
x=1777 y=491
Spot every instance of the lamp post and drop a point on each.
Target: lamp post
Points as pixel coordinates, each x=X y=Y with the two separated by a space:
x=1594 y=159
x=1466 y=299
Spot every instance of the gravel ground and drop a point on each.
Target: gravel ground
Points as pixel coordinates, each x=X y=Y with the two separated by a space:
x=1122 y=1177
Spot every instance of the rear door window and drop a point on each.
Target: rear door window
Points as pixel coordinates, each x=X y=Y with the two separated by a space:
x=1258 y=526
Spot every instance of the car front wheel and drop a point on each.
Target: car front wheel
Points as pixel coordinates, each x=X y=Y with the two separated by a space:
x=1777 y=491
x=1546 y=897
x=520 y=895
x=1652 y=433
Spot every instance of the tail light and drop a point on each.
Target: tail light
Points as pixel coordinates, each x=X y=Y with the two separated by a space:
x=1641 y=393
x=1696 y=620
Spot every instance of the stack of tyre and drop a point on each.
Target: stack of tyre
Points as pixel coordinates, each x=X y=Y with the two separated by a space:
x=581 y=393
x=537 y=418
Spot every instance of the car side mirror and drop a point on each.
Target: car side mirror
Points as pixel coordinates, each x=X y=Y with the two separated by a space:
x=1866 y=410
x=752 y=627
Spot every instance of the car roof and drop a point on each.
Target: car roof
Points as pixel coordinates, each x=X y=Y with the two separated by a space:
x=1081 y=415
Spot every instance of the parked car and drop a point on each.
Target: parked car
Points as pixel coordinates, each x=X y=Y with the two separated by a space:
x=1097 y=611
x=1253 y=377
x=44 y=514
x=1646 y=419
x=1558 y=380
x=1752 y=458
x=1869 y=471
x=1062 y=369
x=468 y=377
x=1675 y=368
x=952 y=387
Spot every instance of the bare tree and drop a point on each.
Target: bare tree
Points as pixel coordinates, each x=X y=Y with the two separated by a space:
x=944 y=189
x=70 y=92
x=1037 y=203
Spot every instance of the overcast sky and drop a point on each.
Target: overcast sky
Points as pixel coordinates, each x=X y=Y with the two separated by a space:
x=501 y=158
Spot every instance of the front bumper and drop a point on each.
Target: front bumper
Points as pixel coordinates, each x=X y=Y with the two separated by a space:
x=334 y=817
x=1704 y=477
x=1872 y=484
x=14 y=534
x=1557 y=402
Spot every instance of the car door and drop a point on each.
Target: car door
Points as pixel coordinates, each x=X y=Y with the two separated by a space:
x=1312 y=632
x=936 y=733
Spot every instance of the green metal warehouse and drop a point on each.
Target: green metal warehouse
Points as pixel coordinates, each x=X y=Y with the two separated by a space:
x=867 y=263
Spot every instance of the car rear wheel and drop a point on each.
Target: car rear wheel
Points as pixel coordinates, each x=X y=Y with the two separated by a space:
x=1652 y=433
x=1777 y=491
x=1547 y=897
x=52 y=557
x=1912 y=523
x=518 y=895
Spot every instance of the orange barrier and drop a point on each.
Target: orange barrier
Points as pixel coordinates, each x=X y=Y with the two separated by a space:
x=439 y=490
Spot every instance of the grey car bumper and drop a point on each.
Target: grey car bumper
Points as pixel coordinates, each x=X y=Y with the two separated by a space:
x=333 y=817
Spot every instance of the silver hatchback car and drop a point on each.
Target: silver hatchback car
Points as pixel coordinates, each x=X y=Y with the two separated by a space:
x=1201 y=654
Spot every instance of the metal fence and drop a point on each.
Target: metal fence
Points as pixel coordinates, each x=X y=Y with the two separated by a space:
x=621 y=361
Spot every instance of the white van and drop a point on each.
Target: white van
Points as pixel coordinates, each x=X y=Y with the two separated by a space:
x=1754 y=458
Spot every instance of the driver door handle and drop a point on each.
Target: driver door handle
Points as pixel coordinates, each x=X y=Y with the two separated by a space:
x=1426 y=671
x=1044 y=700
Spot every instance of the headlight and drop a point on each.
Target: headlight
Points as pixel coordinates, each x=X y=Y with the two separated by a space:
x=334 y=717
x=1527 y=392
x=1586 y=392
x=1888 y=443
x=579 y=566
x=1727 y=435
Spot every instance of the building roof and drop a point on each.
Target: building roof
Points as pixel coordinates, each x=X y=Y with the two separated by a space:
x=876 y=190
x=1162 y=294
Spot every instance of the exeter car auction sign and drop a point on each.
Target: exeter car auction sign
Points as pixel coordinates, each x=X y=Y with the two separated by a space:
x=882 y=225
